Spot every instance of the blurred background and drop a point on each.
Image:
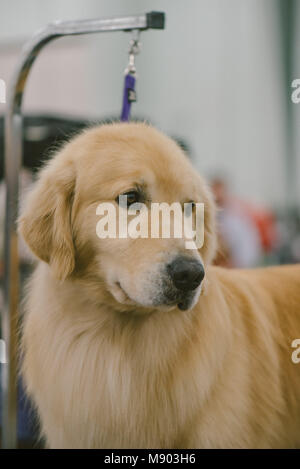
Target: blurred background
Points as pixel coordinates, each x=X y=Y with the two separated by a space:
x=218 y=79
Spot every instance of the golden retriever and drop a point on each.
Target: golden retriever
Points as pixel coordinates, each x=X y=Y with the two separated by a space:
x=125 y=343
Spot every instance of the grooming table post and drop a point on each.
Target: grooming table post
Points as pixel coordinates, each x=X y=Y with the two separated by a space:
x=13 y=160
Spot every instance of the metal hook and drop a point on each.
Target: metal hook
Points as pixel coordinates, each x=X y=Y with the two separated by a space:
x=134 y=49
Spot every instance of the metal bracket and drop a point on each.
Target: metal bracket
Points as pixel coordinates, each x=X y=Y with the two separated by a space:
x=13 y=160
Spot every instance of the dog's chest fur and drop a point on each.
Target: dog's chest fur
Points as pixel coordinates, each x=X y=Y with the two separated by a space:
x=117 y=382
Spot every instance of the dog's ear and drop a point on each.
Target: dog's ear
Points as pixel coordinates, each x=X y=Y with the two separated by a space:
x=45 y=223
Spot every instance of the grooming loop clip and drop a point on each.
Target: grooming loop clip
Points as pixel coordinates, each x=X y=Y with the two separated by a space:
x=134 y=49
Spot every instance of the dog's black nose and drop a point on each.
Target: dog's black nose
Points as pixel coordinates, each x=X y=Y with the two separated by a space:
x=187 y=274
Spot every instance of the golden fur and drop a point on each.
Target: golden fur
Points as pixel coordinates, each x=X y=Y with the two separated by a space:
x=106 y=371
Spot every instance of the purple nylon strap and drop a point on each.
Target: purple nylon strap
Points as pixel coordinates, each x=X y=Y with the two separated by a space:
x=128 y=96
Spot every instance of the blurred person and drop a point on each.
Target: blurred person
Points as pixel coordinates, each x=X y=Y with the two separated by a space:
x=246 y=232
x=288 y=225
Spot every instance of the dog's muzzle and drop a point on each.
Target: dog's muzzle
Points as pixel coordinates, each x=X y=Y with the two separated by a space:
x=184 y=276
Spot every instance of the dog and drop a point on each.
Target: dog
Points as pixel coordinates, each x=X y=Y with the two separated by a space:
x=142 y=343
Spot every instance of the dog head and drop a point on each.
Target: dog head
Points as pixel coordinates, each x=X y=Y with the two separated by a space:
x=125 y=168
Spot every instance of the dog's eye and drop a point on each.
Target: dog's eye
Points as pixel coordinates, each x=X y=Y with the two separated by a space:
x=128 y=198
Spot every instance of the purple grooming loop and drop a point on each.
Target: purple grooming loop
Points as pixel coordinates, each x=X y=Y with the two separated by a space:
x=128 y=96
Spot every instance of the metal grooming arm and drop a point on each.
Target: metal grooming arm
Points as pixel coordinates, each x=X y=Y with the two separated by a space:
x=13 y=160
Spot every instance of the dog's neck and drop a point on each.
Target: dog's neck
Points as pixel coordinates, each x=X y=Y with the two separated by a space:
x=170 y=344
x=152 y=338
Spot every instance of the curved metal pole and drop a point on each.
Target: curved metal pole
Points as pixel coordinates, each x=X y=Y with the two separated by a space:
x=13 y=160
